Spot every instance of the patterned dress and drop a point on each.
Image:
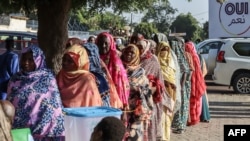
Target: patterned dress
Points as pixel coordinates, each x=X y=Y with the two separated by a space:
x=161 y=99
x=180 y=118
x=198 y=86
x=140 y=98
x=37 y=101
x=140 y=103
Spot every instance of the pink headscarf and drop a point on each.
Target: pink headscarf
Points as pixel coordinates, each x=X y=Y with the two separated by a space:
x=116 y=68
x=197 y=79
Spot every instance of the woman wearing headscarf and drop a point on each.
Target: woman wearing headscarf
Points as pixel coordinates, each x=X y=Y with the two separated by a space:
x=34 y=93
x=158 y=38
x=77 y=85
x=198 y=86
x=180 y=118
x=169 y=70
x=152 y=46
x=7 y=113
x=140 y=98
x=108 y=53
x=136 y=37
x=72 y=41
x=205 y=114
x=160 y=96
x=105 y=83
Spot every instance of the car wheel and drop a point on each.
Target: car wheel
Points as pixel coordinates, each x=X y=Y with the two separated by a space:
x=241 y=83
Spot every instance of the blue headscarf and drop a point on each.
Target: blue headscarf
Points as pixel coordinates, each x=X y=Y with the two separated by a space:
x=96 y=69
x=94 y=57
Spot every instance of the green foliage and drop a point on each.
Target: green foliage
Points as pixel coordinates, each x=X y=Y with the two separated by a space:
x=12 y=6
x=161 y=15
x=186 y=23
x=146 y=29
x=28 y=6
x=98 y=21
x=122 y=5
x=205 y=30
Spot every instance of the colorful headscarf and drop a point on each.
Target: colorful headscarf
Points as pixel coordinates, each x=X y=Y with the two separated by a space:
x=80 y=57
x=166 y=60
x=78 y=88
x=146 y=46
x=136 y=59
x=37 y=101
x=178 y=47
x=197 y=79
x=116 y=68
x=38 y=56
x=73 y=41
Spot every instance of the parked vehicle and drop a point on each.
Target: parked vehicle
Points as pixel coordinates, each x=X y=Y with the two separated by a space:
x=21 y=39
x=233 y=66
x=208 y=50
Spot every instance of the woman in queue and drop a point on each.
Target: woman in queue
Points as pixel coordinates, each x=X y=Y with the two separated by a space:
x=76 y=83
x=34 y=94
x=140 y=99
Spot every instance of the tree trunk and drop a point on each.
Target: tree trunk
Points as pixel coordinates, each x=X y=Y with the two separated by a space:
x=53 y=30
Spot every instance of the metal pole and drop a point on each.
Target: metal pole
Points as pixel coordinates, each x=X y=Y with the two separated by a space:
x=131 y=18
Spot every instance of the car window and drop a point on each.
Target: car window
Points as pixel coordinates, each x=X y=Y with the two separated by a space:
x=28 y=40
x=4 y=37
x=242 y=49
x=20 y=41
x=211 y=45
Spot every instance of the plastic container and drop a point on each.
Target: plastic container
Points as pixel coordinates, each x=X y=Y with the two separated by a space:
x=80 y=122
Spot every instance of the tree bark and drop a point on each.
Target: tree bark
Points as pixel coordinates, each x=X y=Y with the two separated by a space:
x=53 y=30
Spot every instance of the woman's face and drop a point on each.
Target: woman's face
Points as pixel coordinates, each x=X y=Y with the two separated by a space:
x=92 y=40
x=128 y=54
x=68 y=64
x=103 y=44
x=27 y=62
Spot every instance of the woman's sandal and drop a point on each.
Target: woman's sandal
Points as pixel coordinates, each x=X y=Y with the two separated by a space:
x=179 y=131
x=207 y=121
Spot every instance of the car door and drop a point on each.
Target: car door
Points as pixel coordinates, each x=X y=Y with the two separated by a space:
x=209 y=52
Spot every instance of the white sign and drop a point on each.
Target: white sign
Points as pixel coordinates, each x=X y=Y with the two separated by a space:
x=177 y=34
x=229 y=19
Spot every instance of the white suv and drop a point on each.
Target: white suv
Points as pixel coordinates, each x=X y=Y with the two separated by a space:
x=233 y=65
x=208 y=50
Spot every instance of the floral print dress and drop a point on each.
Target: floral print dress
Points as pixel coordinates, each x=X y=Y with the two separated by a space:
x=37 y=101
x=141 y=105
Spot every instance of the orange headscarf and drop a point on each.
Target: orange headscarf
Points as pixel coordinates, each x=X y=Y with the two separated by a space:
x=78 y=88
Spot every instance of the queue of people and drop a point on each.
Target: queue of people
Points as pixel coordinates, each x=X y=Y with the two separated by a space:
x=158 y=84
